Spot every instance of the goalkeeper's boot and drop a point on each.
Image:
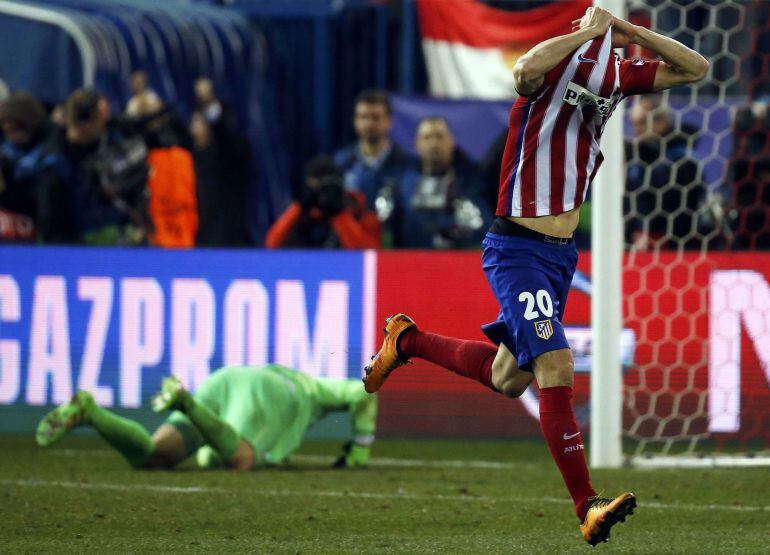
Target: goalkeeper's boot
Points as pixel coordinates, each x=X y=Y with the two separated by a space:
x=67 y=416
x=172 y=396
x=605 y=513
x=388 y=358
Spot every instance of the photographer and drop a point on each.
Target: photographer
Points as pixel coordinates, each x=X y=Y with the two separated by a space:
x=325 y=216
x=93 y=188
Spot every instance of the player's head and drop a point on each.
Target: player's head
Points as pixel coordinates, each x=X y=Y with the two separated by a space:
x=204 y=91
x=372 y=117
x=86 y=113
x=320 y=169
x=435 y=143
x=22 y=118
x=138 y=81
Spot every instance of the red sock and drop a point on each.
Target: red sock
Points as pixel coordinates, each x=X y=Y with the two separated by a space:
x=472 y=359
x=557 y=420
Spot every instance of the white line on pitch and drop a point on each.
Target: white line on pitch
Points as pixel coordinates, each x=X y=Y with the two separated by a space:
x=325 y=460
x=115 y=487
x=419 y=463
x=399 y=494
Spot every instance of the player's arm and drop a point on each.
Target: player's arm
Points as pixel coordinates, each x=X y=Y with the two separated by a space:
x=680 y=65
x=349 y=395
x=530 y=70
x=363 y=411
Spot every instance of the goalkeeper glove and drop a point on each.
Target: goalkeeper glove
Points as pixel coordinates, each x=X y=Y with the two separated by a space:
x=353 y=455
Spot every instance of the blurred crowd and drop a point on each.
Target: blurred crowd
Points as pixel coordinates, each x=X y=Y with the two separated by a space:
x=79 y=174
x=373 y=194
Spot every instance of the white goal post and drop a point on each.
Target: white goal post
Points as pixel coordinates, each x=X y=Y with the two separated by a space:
x=606 y=450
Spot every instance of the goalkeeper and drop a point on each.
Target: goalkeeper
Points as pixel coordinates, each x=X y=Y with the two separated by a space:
x=240 y=418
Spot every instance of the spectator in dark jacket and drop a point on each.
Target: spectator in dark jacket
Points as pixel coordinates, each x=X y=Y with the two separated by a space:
x=24 y=124
x=325 y=215
x=374 y=162
x=222 y=169
x=93 y=187
x=440 y=206
x=664 y=192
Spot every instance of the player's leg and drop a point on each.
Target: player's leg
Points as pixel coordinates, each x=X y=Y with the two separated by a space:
x=496 y=368
x=554 y=372
x=531 y=282
x=264 y=407
x=530 y=298
x=129 y=438
x=235 y=453
x=403 y=340
x=507 y=377
x=170 y=448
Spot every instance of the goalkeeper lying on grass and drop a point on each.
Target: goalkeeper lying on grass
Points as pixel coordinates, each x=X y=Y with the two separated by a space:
x=240 y=418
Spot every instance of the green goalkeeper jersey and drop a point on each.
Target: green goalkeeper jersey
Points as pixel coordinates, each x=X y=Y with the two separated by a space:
x=272 y=406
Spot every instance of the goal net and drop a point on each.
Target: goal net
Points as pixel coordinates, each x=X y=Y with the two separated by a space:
x=696 y=265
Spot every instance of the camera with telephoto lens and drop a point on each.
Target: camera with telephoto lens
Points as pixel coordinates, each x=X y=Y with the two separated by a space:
x=122 y=168
x=328 y=195
x=331 y=195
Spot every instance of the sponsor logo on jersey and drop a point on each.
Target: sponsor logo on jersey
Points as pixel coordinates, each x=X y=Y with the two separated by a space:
x=544 y=329
x=576 y=95
x=571 y=448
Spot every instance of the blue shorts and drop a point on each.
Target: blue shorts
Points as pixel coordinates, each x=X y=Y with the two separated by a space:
x=531 y=279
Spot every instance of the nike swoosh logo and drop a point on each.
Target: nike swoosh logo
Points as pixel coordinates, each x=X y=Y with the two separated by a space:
x=582 y=58
x=570 y=437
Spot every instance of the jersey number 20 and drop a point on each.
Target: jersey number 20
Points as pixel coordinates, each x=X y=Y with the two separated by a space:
x=544 y=303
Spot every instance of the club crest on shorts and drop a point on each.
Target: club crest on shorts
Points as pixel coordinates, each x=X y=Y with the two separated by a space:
x=544 y=329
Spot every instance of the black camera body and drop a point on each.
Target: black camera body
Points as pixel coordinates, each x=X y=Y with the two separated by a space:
x=121 y=167
x=328 y=195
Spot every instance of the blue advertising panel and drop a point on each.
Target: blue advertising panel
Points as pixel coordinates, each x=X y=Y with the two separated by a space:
x=115 y=321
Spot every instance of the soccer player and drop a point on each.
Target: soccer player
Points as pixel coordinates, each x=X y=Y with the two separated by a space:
x=240 y=418
x=568 y=86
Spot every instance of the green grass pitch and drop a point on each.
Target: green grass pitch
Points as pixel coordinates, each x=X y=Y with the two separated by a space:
x=417 y=497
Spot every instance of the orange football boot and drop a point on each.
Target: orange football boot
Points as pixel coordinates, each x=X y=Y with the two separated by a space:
x=605 y=513
x=388 y=358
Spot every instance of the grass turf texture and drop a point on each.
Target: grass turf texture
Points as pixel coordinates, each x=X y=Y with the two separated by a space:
x=80 y=497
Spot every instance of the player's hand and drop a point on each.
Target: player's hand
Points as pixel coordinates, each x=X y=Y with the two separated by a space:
x=623 y=32
x=353 y=456
x=597 y=20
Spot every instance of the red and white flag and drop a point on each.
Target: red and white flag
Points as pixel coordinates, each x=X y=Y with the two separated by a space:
x=470 y=48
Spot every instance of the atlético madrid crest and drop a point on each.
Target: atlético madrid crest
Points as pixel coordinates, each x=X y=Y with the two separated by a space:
x=544 y=329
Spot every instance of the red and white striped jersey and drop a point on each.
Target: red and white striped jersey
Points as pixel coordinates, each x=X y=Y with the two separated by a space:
x=552 y=151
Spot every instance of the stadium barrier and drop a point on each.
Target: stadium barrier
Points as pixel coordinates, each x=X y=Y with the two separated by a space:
x=115 y=321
